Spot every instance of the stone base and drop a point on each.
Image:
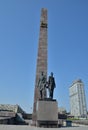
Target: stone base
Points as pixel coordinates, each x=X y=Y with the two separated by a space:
x=47 y=113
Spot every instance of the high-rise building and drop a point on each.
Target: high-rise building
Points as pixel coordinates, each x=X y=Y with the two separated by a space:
x=77 y=99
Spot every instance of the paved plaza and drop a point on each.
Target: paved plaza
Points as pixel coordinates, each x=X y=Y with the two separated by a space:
x=20 y=127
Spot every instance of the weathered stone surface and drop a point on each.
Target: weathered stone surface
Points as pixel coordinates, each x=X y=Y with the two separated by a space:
x=8 y=107
x=41 y=58
x=7 y=114
x=47 y=110
x=11 y=108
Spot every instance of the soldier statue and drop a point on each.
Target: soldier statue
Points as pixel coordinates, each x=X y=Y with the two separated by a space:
x=51 y=85
x=42 y=85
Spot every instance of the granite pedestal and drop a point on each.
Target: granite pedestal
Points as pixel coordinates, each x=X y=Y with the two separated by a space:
x=47 y=113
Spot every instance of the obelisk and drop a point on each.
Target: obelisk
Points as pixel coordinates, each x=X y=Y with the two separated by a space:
x=41 y=58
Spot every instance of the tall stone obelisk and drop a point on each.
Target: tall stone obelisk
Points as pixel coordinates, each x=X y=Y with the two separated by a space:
x=41 y=58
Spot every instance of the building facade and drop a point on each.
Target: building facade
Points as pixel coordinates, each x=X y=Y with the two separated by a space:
x=77 y=99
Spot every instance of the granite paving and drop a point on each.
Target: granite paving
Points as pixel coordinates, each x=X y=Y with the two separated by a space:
x=20 y=127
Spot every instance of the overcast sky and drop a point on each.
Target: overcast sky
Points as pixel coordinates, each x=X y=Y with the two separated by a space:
x=67 y=48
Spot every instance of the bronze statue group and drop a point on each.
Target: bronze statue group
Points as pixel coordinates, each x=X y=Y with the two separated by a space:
x=43 y=85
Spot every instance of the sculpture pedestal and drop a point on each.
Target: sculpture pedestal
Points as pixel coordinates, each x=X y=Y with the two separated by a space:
x=47 y=113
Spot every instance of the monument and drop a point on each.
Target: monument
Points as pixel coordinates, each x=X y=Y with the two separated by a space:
x=41 y=58
x=45 y=108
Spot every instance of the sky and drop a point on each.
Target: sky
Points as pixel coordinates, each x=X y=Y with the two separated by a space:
x=67 y=48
